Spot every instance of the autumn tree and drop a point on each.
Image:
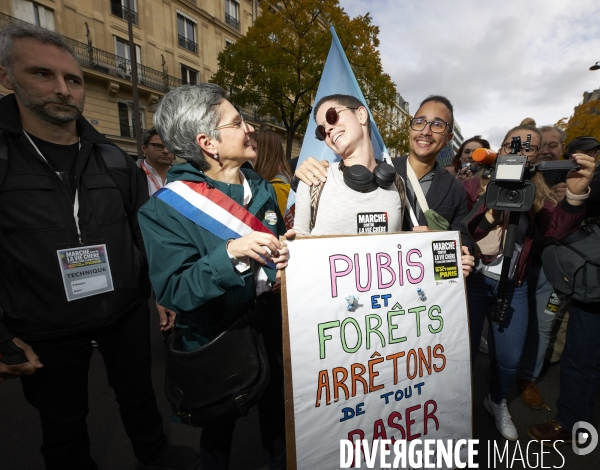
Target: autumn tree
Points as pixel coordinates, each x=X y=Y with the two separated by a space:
x=562 y=123
x=585 y=121
x=277 y=65
x=394 y=131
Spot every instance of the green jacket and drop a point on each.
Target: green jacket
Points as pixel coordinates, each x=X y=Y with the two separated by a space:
x=189 y=267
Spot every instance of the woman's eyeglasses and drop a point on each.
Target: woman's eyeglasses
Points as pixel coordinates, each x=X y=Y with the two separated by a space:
x=332 y=117
x=533 y=149
x=237 y=124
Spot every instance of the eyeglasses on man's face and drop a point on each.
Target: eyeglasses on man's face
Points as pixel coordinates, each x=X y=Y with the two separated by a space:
x=437 y=126
x=157 y=147
x=332 y=116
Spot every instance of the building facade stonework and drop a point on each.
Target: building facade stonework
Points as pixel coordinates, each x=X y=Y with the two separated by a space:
x=177 y=42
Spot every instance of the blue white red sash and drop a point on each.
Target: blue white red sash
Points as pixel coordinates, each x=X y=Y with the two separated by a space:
x=211 y=209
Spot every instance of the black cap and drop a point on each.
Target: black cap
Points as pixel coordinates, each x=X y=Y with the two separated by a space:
x=582 y=143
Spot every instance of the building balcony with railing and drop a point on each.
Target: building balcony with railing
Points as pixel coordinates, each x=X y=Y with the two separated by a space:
x=251 y=114
x=187 y=44
x=104 y=62
x=231 y=21
x=118 y=9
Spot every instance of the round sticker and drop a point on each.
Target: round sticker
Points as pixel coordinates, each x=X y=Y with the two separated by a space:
x=271 y=217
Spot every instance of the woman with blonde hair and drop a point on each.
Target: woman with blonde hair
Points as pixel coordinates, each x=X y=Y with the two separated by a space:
x=507 y=338
x=272 y=165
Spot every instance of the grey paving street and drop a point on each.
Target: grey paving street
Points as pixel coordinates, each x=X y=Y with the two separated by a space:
x=20 y=436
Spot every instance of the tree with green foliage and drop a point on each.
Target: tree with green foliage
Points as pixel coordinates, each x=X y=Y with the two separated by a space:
x=277 y=65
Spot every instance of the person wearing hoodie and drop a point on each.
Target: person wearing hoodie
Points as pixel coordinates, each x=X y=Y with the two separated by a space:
x=209 y=281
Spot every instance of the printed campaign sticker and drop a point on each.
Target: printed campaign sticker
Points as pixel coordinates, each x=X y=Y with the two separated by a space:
x=554 y=303
x=372 y=222
x=85 y=271
x=445 y=260
x=271 y=217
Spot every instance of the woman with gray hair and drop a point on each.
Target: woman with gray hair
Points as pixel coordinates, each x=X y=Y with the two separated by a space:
x=212 y=279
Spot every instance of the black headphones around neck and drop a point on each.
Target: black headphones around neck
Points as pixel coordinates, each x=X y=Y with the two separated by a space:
x=360 y=178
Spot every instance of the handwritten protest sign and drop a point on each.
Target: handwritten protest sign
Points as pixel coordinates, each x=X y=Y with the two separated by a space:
x=377 y=342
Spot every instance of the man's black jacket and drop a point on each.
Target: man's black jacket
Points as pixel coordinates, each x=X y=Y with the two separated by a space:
x=446 y=196
x=36 y=219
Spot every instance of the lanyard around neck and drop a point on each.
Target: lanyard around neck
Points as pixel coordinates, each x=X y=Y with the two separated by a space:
x=76 y=201
x=150 y=175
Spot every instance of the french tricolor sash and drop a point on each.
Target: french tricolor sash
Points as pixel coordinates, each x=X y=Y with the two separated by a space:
x=211 y=209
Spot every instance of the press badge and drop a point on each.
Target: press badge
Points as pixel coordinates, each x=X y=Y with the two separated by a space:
x=85 y=271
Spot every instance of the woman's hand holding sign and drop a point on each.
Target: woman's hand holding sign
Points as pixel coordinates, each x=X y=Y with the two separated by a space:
x=261 y=246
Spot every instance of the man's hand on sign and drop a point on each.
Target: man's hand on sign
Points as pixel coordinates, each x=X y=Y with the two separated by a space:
x=468 y=261
x=166 y=317
x=312 y=171
x=12 y=371
x=421 y=228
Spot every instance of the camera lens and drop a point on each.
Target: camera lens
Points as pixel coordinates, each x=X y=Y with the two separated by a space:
x=512 y=195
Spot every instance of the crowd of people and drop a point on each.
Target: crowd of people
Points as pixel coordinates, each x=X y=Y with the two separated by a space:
x=83 y=244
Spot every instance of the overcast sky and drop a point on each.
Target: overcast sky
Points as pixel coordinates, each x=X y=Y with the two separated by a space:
x=497 y=61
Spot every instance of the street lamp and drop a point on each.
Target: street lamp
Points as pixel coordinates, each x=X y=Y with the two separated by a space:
x=596 y=66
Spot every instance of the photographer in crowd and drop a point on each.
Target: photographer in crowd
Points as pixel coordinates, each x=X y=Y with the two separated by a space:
x=552 y=219
x=544 y=302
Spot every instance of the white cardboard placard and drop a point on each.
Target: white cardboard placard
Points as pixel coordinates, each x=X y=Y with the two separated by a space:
x=397 y=366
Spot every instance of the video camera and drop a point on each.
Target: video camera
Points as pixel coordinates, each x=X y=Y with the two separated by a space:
x=511 y=188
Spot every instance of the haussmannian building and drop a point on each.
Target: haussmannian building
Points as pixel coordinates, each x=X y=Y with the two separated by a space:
x=176 y=42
